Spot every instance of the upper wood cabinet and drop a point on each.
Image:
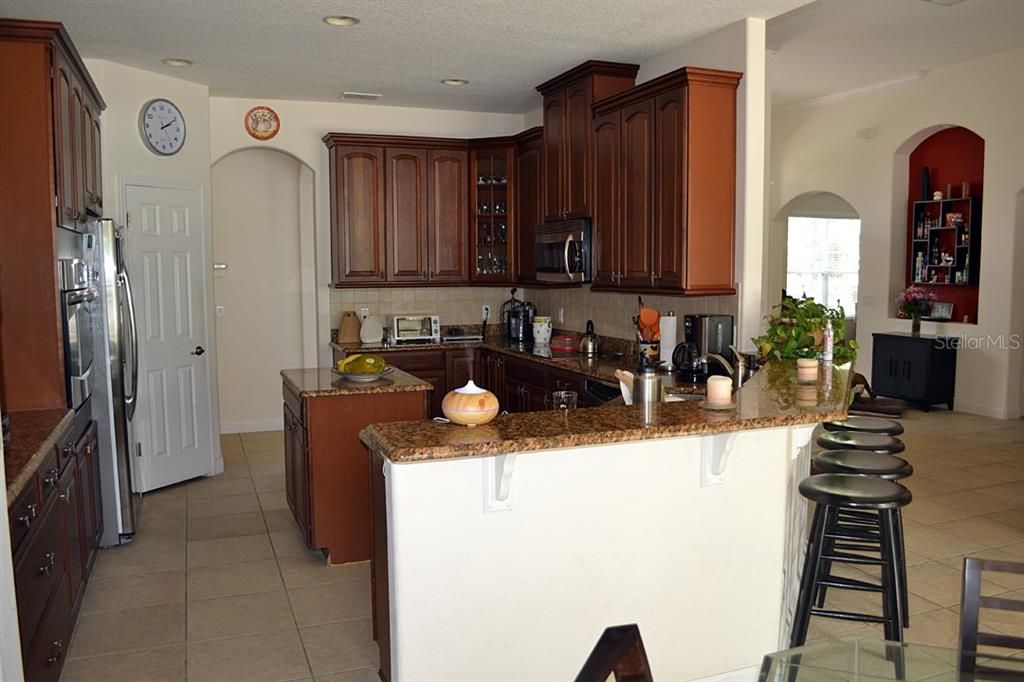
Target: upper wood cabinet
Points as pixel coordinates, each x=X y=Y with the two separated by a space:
x=529 y=190
x=406 y=214
x=448 y=216
x=567 y=114
x=357 y=213
x=665 y=185
x=50 y=99
x=399 y=209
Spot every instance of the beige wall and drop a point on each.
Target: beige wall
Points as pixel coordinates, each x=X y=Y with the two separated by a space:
x=819 y=149
x=256 y=227
x=303 y=124
x=455 y=305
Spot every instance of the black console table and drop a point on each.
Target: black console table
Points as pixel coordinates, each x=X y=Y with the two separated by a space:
x=918 y=369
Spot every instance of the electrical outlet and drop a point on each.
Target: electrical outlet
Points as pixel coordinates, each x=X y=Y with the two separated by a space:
x=486 y=312
x=561 y=316
x=364 y=313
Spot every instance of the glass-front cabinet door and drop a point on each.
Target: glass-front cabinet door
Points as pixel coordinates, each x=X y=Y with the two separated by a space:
x=492 y=208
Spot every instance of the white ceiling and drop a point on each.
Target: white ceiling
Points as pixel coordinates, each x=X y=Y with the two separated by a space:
x=837 y=46
x=402 y=48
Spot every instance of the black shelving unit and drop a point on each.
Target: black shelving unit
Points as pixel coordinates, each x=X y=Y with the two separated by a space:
x=933 y=233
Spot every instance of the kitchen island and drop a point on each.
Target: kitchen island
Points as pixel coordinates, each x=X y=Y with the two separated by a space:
x=502 y=552
x=327 y=478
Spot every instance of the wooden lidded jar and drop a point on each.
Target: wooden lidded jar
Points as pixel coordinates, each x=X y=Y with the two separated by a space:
x=470 y=405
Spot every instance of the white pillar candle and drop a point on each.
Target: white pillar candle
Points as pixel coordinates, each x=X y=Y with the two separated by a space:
x=807 y=369
x=719 y=390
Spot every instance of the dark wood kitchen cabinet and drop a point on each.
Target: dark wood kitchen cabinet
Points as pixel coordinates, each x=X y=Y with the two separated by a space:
x=448 y=216
x=406 y=214
x=529 y=191
x=357 y=213
x=50 y=101
x=53 y=540
x=493 y=233
x=918 y=369
x=567 y=145
x=664 y=217
x=296 y=466
x=399 y=210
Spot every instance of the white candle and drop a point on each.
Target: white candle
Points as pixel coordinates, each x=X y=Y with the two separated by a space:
x=807 y=369
x=719 y=390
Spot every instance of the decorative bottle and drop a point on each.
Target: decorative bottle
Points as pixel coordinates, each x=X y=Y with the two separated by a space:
x=827 y=344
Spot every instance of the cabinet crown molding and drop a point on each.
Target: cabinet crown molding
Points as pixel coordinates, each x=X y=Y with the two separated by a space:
x=592 y=67
x=332 y=140
x=48 y=32
x=671 y=80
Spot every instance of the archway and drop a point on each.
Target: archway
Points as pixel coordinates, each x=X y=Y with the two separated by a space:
x=815 y=251
x=262 y=202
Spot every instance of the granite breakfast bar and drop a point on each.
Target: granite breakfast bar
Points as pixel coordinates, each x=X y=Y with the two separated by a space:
x=530 y=535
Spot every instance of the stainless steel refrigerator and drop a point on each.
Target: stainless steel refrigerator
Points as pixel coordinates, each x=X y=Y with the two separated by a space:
x=116 y=380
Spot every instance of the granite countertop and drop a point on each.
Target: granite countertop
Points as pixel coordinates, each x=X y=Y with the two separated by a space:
x=602 y=368
x=322 y=381
x=34 y=434
x=772 y=398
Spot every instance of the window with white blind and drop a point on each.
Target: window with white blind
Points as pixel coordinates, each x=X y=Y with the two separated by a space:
x=824 y=260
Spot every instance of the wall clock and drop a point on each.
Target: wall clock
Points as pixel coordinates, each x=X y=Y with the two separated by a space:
x=162 y=127
x=262 y=123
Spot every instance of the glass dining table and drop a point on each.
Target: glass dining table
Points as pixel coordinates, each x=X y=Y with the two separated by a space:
x=875 y=660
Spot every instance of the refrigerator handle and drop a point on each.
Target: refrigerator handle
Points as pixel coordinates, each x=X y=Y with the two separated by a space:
x=130 y=298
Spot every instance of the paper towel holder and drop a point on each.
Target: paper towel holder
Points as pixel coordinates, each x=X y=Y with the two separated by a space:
x=668 y=328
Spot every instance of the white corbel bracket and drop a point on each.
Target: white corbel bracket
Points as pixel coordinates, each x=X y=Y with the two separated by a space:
x=714 y=455
x=498 y=482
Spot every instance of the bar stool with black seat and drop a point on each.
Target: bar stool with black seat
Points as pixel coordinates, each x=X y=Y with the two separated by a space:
x=880 y=465
x=833 y=493
x=855 y=440
x=887 y=427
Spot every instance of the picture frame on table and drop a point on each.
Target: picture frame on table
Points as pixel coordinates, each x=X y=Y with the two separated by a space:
x=941 y=311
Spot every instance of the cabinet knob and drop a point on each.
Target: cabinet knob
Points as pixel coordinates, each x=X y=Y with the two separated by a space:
x=49 y=561
x=52 y=477
x=31 y=512
x=56 y=652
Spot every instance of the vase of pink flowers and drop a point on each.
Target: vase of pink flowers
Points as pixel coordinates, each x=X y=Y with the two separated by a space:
x=914 y=302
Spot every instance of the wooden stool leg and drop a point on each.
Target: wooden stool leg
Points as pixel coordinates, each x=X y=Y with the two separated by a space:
x=809 y=578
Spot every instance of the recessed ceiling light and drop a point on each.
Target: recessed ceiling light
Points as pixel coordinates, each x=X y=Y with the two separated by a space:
x=177 y=61
x=340 y=20
x=455 y=81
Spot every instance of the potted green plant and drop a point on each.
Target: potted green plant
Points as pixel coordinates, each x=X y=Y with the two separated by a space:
x=796 y=329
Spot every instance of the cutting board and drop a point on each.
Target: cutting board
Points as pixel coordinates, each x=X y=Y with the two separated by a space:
x=348 y=331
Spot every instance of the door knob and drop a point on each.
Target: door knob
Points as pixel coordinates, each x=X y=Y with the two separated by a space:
x=198 y=351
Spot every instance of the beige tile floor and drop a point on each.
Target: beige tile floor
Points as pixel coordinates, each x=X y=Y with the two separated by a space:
x=968 y=488
x=218 y=587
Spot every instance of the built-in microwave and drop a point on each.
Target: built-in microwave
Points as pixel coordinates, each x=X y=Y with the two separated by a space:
x=562 y=251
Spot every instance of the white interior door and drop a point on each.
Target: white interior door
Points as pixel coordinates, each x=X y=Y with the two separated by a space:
x=166 y=260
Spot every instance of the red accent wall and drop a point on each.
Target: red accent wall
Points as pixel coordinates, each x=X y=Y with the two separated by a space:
x=951 y=156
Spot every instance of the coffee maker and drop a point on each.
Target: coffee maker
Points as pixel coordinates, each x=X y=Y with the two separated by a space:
x=520 y=323
x=703 y=334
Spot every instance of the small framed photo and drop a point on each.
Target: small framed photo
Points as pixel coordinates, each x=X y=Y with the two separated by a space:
x=941 y=311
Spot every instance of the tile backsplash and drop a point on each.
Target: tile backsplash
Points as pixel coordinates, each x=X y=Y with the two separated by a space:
x=455 y=305
x=612 y=313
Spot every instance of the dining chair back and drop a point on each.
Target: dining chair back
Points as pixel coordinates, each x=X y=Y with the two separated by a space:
x=619 y=652
x=971 y=603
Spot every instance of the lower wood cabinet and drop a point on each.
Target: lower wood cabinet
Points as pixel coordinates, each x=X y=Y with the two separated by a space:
x=327 y=475
x=55 y=525
x=918 y=369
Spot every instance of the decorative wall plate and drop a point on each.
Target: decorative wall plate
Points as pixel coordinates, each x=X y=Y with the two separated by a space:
x=262 y=123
